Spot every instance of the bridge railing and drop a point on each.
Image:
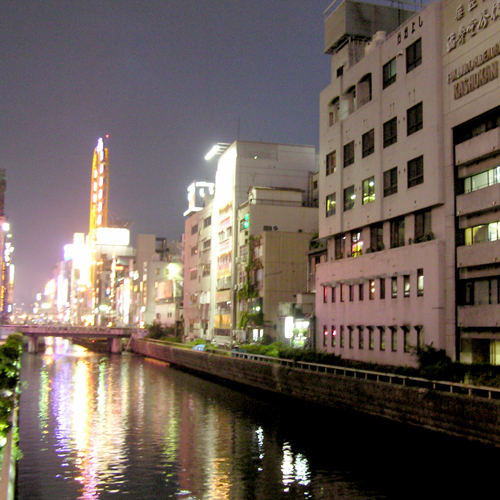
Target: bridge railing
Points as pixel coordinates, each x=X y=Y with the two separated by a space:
x=390 y=378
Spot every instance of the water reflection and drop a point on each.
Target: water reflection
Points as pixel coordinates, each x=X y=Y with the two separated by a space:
x=98 y=427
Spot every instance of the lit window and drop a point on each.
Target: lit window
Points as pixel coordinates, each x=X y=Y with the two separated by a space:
x=349 y=198
x=371 y=294
x=394 y=287
x=382 y=337
x=368 y=190
x=331 y=205
x=356 y=244
x=420 y=282
x=334 y=336
x=406 y=283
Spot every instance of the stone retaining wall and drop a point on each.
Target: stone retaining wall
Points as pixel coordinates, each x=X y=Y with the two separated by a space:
x=470 y=417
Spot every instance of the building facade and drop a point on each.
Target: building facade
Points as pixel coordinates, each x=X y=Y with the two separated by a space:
x=409 y=143
x=471 y=96
x=382 y=186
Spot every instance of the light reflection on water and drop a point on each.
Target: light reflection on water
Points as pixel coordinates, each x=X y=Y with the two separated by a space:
x=94 y=426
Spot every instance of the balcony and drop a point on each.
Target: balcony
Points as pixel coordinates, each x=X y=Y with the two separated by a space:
x=481 y=146
x=479 y=254
x=478 y=201
x=479 y=316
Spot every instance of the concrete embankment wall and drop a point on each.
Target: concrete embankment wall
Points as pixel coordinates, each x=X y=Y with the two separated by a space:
x=469 y=417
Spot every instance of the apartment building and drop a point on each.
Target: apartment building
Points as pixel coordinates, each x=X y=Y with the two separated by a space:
x=198 y=260
x=471 y=95
x=275 y=228
x=382 y=185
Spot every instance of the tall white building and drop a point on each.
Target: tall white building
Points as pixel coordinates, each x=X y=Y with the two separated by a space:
x=409 y=182
x=382 y=187
x=211 y=287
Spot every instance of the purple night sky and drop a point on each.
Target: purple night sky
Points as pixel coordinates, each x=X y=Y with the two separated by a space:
x=166 y=79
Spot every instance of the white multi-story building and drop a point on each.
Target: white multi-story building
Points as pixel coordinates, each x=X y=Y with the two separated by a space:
x=212 y=236
x=409 y=182
x=471 y=97
x=382 y=185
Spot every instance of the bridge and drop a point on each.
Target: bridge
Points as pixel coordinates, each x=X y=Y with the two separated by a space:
x=114 y=334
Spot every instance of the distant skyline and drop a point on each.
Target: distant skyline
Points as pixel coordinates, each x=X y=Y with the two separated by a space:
x=166 y=80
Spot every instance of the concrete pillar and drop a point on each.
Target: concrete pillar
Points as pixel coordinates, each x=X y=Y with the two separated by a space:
x=115 y=345
x=32 y=344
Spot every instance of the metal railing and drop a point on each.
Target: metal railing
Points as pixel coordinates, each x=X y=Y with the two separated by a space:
x=391 y=378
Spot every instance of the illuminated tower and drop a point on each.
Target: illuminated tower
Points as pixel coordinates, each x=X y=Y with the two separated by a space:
x=99 y=190
x=98 y=213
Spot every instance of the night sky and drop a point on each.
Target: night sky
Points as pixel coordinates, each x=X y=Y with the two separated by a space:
x=166 y=80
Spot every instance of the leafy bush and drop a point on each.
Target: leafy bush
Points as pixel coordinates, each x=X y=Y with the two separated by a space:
x=10 y=365
x=157 y=331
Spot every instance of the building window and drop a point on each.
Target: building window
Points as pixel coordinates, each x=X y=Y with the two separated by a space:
x=382 y=288
x=391 y=181
x=325 y=294
x=330 y=204
x=207 y=244
x=368 y=143
x=340 y=246
x=394 y=287
x=194 y=250
x=325 y=335
x=349 y=198
x=390 y=132
x=333 y=293
x=333 y=111
x=418 y=329
x=334 y=335
x=361 y=340
x=193 y=273
x=406 y=285
x=420 y=282
x=371 y=291
x=389 y=73
x=364 y=90
x=423 y=226
x=414 y=119
x=356 y=244
x=361 y=291
x=351 y=293
x=331 y=162
x=349 y=154
x=482 y=180
x=207 y=221
x=414 y=55
x=394 y=338
x=368 y=190
x=351 y=337
x=194 y=229
x=406 y=339
x=416 y=171
x=205 y=270
x=371 y=344
x=342 y=292
x=382 y=337
x=482 y=233
x=377 y=237
x=397 y=232
x=341 y=338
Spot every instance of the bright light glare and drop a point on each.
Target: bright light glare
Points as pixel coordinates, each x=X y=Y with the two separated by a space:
x=215 y=149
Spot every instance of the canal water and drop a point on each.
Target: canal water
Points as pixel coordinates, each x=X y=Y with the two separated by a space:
x=96 y=426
